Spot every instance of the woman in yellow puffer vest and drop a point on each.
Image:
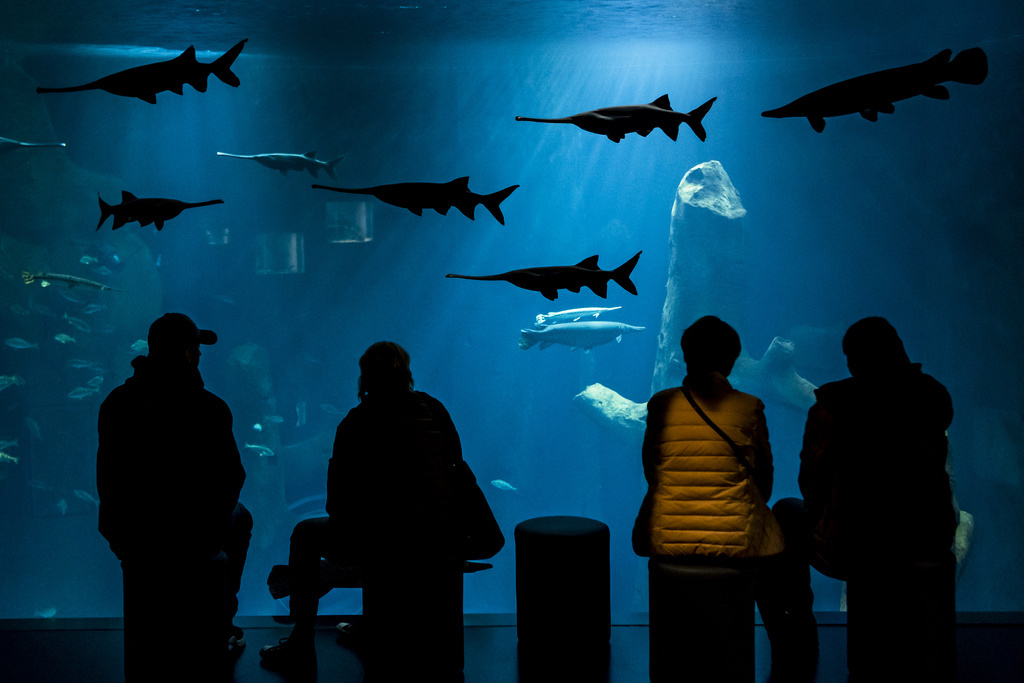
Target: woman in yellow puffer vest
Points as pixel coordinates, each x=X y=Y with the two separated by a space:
x=701 y=500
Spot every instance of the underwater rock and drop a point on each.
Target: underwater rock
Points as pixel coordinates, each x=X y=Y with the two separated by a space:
x=611 y=408
x=774 y=376
x=707 y=264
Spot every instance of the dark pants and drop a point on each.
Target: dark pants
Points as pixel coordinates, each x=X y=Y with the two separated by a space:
x=236 y=547
x=312 y=539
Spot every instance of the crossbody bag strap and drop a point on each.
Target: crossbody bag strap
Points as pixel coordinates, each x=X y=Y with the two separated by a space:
x=735 y=449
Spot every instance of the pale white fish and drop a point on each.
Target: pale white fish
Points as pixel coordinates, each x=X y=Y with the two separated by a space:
x=10 y=381
x=96 y=381
x=65 y=338
x=8 y=443
x=87 y=497
x=19 y=343
x=503 y=485
x=570 y=316
x=140 y=346
x=79 y=393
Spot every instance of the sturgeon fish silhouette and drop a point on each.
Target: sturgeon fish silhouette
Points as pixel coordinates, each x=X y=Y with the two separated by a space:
x=144 y=82
x=291 y=162
x=617 y=122
x=875 y=92
x=440 y=197
x=145 y=210
x=549 y=279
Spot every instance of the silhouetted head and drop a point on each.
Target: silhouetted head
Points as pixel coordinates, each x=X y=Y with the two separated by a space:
x=384 y=370
x=710 y=345
x=173 y=338
x=874 y=349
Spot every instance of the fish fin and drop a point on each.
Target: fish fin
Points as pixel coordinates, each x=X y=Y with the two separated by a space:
x=599 y=288
x=127 y=196
x=118 y=222
x=869 y=114
x=178 y=89
x=148 y=97
x=551 y=294
x=817 y=123
x=614 y=137
x=416 y=210
x=645 y=133
x=662 y=102
x=159 y=225
x=492 y=202
x=310 y=155
x=545 y=344
x=970 y=66
x=622 y=273
x=331 y=164
x=221 y=67
x=886 y=108
x=589 y=262
x=189 y=54
x=460 y=183
x=104 y=211
x=618 y=340
x=695 y=120
x=936 y=92
x=940 y=58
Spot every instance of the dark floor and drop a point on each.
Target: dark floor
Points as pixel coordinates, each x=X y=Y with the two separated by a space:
x=990 y=648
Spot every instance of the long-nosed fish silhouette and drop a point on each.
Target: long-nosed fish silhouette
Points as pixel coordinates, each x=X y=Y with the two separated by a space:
x=875 y=92
x=146 y=81
x=549 y=279
x=145 y=210
x=291 y=162
x=6 y=144
x=616 y=122
x=437 y=196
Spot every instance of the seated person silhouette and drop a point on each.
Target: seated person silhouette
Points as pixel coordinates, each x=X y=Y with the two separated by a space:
x=168 y=470
x=390 y=503
x=876 y=493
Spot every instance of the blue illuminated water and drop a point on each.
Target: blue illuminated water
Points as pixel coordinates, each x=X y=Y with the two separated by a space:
x=914 y=217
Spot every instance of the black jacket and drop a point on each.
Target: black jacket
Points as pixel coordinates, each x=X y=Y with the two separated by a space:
x=168 y=470
x=390 y=483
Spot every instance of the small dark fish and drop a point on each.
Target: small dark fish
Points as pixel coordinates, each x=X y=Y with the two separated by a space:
x=146 y=210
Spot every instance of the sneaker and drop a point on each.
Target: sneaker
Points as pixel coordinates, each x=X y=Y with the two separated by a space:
x=236 y=641
x=350 y=634
x=290 y=657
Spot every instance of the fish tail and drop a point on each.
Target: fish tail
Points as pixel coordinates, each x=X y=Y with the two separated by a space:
x=527 y=339
x=492 y=202
x=221 y=67
x=694 y=120
x=970 y=66
x=28 y=277
x=105 y=211
x=622 y=273
x=331 y=164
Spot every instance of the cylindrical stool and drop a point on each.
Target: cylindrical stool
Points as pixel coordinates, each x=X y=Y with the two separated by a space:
x=901 y=621
x=701 y=622
x=563 y=581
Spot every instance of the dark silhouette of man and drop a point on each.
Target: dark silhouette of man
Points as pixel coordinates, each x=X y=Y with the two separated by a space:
x=392 y=512
x=877 y=496
x=168 y=470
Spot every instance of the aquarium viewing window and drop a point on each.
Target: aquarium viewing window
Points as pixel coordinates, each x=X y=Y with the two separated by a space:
x=349 y=222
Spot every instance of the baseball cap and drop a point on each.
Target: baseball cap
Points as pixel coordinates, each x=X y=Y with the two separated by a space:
x=176 y=331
